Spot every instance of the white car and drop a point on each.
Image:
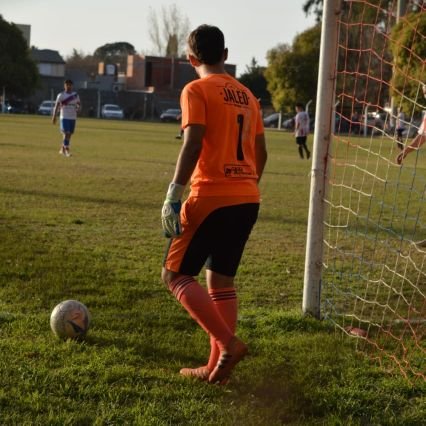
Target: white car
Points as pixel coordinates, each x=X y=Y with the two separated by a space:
x=112 y=111
x=171 y=115
x=46 y=107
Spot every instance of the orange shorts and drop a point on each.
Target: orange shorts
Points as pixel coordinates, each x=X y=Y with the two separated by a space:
x=214 y=233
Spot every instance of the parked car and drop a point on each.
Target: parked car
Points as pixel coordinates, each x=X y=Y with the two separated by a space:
x=112 y=111
x=171 y=115
x=15 y=107
x=342 y=124
x=271 y=120
x=46 y=107
x=288 y=124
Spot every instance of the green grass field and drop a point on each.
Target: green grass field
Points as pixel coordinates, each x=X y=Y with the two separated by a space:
x=88 y=228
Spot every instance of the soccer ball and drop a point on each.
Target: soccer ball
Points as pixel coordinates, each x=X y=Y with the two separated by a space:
x=70 y=320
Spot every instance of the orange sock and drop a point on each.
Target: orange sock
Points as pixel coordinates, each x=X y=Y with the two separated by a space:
x=225 y=300
x=195 y=299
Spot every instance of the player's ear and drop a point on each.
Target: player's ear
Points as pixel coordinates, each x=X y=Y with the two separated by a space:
x=225 y=54
x=193 y=60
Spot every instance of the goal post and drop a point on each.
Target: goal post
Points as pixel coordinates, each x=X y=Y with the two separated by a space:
x=323 y=128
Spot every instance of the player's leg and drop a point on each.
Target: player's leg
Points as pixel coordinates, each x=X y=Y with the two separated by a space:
x=302 y=141
x=70 y=126
x=197 y=302
x=67 y=142
x=221 y=236
x=230 y=231
x=299 y=142
x=67 y=129
x=308 y=153
x=61 y=128
x=184 y=259
x=399 y=141
x=180 y=135
x=66 y=133
x=223 y=293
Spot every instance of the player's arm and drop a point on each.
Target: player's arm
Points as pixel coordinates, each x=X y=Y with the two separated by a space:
x=189 y=153
x=187 y=160
x=418 y=141
x=296 y=124
x=78 y=104
x=55 y=111
x=261 y=154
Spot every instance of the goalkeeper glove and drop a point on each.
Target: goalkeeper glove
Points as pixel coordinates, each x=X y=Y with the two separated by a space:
x=170 y=214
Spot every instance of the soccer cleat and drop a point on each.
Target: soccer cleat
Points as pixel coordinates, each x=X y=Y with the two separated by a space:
x=61 y=151
x=201 y=373
x=229 y=358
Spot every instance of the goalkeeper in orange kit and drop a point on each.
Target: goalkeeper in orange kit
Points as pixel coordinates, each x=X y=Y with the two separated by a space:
x=223 y=155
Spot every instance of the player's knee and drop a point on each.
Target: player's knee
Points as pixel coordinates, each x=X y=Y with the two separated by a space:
x=167 y=276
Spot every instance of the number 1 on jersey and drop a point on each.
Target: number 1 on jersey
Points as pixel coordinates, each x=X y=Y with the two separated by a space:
x=240 y=154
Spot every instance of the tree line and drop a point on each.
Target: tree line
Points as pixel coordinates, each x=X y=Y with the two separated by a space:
x=292 y=69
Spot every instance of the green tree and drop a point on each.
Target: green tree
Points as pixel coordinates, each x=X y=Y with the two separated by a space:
x=364 y=61
x=115 y=53
x=255 y=80
x=292 y=71
x=315 y=7
x=78 y=60
x=409 y=53
x=18 y=72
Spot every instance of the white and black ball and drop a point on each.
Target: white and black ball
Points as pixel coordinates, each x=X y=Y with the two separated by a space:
x=70 y=319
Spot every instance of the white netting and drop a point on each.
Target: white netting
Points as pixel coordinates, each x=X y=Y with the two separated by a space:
x=374 y=278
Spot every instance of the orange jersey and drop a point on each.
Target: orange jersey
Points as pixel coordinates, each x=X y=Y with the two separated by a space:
x=231 y=116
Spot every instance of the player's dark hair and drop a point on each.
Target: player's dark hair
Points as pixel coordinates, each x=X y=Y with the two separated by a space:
x=300 y=105
x=68 y=81
x=207 y=44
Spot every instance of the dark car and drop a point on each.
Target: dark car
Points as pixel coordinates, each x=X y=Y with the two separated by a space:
x=342 y=125
x=15 y=107
x=171 y=115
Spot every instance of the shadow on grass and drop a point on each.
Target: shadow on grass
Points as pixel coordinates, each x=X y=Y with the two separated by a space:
x=134 y=204
x=302 y=373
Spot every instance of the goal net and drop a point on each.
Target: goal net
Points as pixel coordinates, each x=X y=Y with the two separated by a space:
x=374 y=251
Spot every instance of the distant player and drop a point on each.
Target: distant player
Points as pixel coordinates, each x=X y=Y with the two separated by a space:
x=419 y=140
x=223 y=153
x=68 y=102
x=301 y=129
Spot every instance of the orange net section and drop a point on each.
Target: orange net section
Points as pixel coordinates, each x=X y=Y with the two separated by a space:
x=374 y=280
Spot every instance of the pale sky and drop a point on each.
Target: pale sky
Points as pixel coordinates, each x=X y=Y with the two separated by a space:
x=251 y=27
